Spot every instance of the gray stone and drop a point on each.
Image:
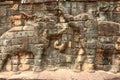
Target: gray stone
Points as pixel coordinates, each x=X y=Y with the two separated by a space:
x=1 y=62
x=91 y=36
x=76 y=24
x=16 y=48
x=107 y=46
x=4 y=56
x=38 y=56
x=20 y=34
x=29 y=61
x=37 y=62
x=62 y=58
x=108 y=29
x=1 y=42
x=91 y=45
x=0 y=56
x=91 y=52
x=104 y=39
x=33 y=40
x=91 y=31
x=17 y=41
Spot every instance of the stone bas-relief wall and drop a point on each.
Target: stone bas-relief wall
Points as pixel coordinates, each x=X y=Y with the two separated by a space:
x=52 y=34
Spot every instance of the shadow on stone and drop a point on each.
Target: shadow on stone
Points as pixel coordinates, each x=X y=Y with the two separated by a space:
x=2 y=79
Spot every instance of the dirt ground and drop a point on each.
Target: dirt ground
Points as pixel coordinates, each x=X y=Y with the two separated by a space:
x=60 y=74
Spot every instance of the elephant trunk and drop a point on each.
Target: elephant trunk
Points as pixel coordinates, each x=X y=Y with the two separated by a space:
x=59 y=47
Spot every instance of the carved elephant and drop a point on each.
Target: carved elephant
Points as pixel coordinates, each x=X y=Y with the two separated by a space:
x=33 y=37
x=97 y=35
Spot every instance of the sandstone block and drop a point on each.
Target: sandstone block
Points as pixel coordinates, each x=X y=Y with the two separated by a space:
x=105 y=39
x=69 y=58
x=17 y=22
x=29 y=61
x=15 y=62
x=20 y=34
x=28 y=28
x=91 y=36
x=91 y=51
x=91 y=45
x=33 y=40
x=15 y=68
x=24 y=67
x=8 y=35
x=107 y=46
x=6 y=42
x=37 y=62
x=108 y=29
x=38 y=56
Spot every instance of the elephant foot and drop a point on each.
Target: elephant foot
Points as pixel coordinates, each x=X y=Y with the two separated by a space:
x=15 y=68
x=18 y=72
x=90 y=68
x=91 y=71
x=77 y=70
x=37 y=69
x=52 y=68
x=115 y=69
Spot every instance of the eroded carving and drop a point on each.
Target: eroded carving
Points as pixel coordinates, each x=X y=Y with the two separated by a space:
x=61 y=39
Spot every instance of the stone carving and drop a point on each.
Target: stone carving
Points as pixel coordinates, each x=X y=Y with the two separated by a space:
x=92 y=30
x=79 y=60
x=59 y=39
x=22 y=39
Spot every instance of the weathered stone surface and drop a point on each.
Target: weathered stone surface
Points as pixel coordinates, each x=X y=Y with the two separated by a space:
x=103 y=26
x=91 y=45
x=24 y=67
x=17 y=23
x=107 y=46
x=37 y=62
x=8 y=35
x=104 y=39
x=51 y=33
x=14 y=68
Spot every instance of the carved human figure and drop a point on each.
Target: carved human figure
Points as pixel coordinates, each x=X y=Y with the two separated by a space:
x=79 y=60
x=91 y=24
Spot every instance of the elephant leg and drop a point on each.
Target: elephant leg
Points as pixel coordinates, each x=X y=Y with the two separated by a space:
x=3 y=61
x=78 y=64
x=37 y=61
x=116 y=64
x=77 y=67
x=37 y=51
x=90 y=60
x=15 y=63
x=90 y=64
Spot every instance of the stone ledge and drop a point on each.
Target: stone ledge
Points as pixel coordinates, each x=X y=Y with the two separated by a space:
x=60 y=74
